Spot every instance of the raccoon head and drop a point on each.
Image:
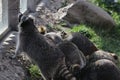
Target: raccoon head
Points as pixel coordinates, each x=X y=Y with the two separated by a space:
x=26 y=23
x=25 y=20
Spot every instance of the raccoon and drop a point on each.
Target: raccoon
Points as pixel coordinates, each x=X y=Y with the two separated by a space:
x=102 y=69
x=49 y=59
x=74 y=58
x=101 y=65
x=100 y=54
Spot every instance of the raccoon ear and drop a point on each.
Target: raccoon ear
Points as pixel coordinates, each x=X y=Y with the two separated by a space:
x=20 y=16
x=114 y=56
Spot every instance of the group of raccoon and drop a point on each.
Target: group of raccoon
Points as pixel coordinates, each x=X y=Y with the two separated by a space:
x=63 y=56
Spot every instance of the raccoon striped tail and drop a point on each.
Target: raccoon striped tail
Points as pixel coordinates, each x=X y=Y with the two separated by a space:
x=65 y=73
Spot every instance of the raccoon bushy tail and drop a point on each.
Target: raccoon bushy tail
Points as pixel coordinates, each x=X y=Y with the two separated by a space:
x=65 y=73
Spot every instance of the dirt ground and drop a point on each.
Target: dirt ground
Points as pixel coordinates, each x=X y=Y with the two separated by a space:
x=10 y=69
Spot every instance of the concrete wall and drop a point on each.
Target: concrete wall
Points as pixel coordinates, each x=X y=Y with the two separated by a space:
x=31 y=5
x=4 y=12
x=13 y=10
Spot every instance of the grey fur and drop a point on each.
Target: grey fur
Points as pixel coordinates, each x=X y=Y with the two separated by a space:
x=53 y=38
x=72 y=54
x=82 y=42
x=100 y=54
x=74 y=57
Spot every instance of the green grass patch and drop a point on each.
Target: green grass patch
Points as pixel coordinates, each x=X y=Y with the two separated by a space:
x=34 y=72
